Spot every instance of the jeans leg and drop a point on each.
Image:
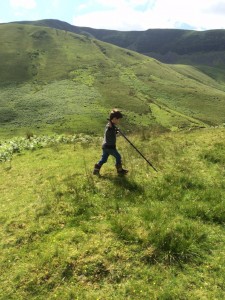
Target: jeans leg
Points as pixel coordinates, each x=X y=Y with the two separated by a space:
x=104 y=157
x=117 y=156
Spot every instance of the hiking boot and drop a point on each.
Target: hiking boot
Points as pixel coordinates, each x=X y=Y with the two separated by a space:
x=120 y=170
x=96 y=169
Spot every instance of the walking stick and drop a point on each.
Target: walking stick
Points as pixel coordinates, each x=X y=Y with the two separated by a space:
x=135 y=148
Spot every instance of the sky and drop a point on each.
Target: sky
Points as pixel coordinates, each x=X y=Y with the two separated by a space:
x=125 y=15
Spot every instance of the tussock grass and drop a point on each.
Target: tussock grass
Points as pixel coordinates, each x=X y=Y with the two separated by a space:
x=66 y=234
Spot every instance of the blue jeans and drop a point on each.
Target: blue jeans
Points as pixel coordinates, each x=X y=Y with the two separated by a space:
x=105 y=155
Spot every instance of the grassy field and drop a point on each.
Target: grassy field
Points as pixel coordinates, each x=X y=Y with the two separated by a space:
x=66 y=234
x=55 y=81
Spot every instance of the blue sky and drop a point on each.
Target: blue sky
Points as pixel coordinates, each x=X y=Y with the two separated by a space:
x=120 y=14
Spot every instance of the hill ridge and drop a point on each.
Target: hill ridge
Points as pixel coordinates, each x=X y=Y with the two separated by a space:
x=52 y=79
x=166 y=45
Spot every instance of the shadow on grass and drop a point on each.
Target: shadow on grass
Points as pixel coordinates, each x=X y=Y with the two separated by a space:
x=125 y=182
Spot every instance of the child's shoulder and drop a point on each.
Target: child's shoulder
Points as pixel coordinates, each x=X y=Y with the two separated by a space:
x=109 y=125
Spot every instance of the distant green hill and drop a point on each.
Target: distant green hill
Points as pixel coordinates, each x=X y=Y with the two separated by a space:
x=167 y=45
x=55 y=80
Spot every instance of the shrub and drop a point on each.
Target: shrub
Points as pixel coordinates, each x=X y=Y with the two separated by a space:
x=7 y=115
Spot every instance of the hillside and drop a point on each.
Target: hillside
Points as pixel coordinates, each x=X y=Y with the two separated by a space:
x=66 y=234
x=54 y=80
x=167 y=45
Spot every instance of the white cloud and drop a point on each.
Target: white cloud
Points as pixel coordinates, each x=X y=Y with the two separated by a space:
x=123 y=3
x=196 y=13
x=123 y=15
x=114 y=14
x=109 y=19
x=217 y=8
x=26 y=4
x=55 y=4
x=85 y=5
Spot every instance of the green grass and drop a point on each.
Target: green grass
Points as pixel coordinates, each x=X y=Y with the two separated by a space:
x=66 y=234
x=216 y=73
x=55 y=81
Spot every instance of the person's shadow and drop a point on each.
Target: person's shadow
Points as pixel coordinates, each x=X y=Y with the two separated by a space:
x=125 y=182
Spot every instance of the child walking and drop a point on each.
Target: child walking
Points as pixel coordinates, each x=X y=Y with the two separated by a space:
x=109 y=144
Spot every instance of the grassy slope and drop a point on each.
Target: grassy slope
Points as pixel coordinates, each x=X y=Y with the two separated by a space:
x=167 y=45
x=216 y=73
x=53 y=80
x=68 y=235
x=63 y=235
x=161 y=41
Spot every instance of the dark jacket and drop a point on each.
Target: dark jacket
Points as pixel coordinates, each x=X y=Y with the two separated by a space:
x=109 y=141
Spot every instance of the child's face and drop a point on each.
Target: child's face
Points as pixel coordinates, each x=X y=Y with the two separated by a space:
x=115 y=121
